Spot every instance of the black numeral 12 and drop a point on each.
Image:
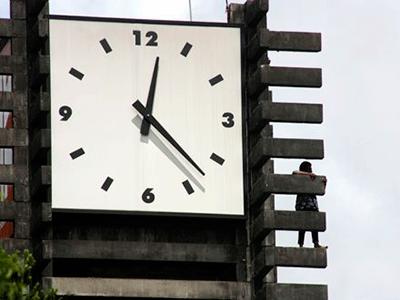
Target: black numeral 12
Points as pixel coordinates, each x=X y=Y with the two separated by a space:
x=151 y=35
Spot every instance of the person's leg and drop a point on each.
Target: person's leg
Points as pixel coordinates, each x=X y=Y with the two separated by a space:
x=301 y=238
x=315 y=240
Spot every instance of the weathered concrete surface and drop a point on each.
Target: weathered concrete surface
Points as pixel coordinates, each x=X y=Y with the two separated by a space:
x=289 y=257
x=284 y=76
x=47 y=213
x=12 y=28
x=236 y=13
x=15 y=210
x=41 y=140
x=144 y=251
x=287 y=220
x=285 y=148
x=266 y=40
x=10 y=101
x=42 y=177
x=293 y=292
x=255 y=10
x=10 y=245
x=142 y=288
x=268 y=111
x=287 y=184
x=14 y=174
x=13 y=137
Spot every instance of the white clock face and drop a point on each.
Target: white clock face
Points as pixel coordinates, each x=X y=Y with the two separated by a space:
x=104 y=77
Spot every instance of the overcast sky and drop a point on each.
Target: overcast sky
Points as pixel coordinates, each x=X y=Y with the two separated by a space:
x=360 y=58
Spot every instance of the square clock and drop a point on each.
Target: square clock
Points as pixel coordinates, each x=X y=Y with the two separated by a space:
x=146 y=116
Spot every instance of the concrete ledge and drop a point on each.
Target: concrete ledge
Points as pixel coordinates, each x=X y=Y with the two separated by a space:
x=15 y=210
x=123 y=250
x=279 y=291
x=269 y=111
x=47 y=213
x=45 y=102
x=284 y=76
x=13 y=100
x=148 y=288
x=255 y=10
x=13 y=64
x=10 y=245
x=8 y=211
x=287 y=220
x=266 y=40
x=14 y=174
x=42 y=177
x=13 y=137
x=40 y=141
x=270 y=257
x=12 y=28
x=285 y=148
x=286 y=184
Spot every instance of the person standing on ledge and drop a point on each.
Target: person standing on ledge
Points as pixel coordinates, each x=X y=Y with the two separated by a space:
x=307 y=202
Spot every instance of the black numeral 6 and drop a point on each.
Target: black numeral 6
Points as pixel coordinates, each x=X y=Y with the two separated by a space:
x=148 y=196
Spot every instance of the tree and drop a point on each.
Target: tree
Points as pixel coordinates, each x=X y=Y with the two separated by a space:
x=16 y=280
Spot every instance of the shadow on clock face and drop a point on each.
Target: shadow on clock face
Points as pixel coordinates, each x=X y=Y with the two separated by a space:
x=137 y=121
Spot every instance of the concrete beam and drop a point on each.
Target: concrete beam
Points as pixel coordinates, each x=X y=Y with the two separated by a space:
x=42 y=177
x=278 y=291
x=12 y=28
x=13 y=100
x=236 y=13
x=266 y=40
x=284 y=76
x=287 y=220
x=255 y=10
x=47 y=213
x=13 y=63
x=11 y=245
x=124 y=250
x=148 y=288
x=268 y=147
x=268 y=111
x=15 y=210
x=18 y=9
x=8 y=211
x=14 y=174
x=13 y=137
x=270 y=257
x=45 y=102
x=287 y=184
x=40 y=141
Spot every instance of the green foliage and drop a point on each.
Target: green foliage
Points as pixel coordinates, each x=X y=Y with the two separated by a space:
x=16 y=280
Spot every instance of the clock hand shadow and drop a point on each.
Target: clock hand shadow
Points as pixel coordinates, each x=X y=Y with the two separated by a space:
x=137 y=121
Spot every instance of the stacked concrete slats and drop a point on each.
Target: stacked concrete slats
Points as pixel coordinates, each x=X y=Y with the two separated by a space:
x=19 y=210
x=264 y=220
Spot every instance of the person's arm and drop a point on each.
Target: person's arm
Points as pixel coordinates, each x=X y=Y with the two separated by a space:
x=312 y=175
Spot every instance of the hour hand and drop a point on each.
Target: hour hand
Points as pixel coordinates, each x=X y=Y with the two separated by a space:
x=153 y=121
x=144 y=129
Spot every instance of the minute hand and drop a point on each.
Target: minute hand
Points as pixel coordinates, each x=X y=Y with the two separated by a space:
x=153 y=121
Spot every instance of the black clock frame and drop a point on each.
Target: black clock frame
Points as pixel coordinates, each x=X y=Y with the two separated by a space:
x=245 y=116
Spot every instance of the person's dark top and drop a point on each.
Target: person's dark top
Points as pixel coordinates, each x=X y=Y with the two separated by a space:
x=306 y=202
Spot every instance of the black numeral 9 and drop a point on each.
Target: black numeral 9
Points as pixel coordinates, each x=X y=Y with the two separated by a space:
x=152 y=35
x=148 y=196
x=229 y=122
x=65 y=112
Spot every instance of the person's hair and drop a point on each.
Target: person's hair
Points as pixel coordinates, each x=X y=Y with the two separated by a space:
x=305 y=166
